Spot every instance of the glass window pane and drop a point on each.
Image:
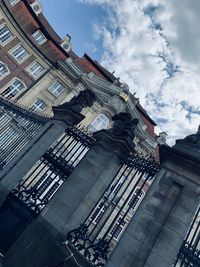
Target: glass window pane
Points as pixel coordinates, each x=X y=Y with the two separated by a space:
x=39 y=37
x=101 y=122
x=35 y=69
x=56 y=89
x=13 y=89
x=5 y=34
x=20 y=53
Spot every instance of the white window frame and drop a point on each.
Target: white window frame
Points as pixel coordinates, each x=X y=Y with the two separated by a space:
x=13 y=2
x=5 y=74
x=14 y=49
x=37 y=108
x=37 y=38
x=10 y=38
x=32 y=74
x=54 y=91
x=9 y=84
x=93 y=127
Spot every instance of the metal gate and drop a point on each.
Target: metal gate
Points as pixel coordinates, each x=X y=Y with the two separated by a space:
x=39 y=185
x=189 y=254
x=98 y=235
x=17 y=128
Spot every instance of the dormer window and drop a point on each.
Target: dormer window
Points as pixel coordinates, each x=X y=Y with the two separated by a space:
x=39 y=37
x=13 y=2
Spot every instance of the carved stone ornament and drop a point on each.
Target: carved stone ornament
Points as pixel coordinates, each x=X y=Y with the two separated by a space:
x=70 y=112
x=119 y=139
x=124 y=126
x=86 y=98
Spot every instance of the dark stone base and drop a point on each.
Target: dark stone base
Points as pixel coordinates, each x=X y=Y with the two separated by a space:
x=67 y=114
x=40 y=245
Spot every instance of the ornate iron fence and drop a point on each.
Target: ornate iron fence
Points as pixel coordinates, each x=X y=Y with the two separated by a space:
x=54 y=167
x=98 y=235
x=189 y=254
x=17 y=128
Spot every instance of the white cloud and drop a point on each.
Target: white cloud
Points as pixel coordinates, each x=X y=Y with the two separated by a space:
x=156 y=51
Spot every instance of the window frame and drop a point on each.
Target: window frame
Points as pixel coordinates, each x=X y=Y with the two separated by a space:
x=9 y=84
x=14 y=49
x=38 y=109
x=13 y=3
x=5 y=74
x=32 y=74
x=9 y=39
x=53 y=91
x=41 y=34
x=92 y=126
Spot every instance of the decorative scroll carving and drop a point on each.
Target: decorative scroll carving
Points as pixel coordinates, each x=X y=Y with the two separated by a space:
x=124 y=126
x=95 y=252
x=86 y=98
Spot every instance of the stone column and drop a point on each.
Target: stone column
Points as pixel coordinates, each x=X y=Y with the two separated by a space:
x=157 y=230
x=64 y=115
x=78 y=195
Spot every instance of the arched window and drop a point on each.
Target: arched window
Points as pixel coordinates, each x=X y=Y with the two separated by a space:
x=101 y=122
x=3 y=70
x=13 y=89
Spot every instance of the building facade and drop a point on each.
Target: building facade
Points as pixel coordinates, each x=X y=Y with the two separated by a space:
x=41 y=80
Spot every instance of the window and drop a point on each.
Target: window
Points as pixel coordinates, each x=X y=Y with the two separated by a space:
x=101 y=122
x=38 y=105
x=19 y=53
x=56 y=89
x=13 y=89
x=39 y=37
x=35 y=70
x=5 y=34
x=13 y=2
x=3 y=70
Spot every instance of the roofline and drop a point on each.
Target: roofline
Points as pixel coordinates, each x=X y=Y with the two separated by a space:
x=99 y=69
x=43 y=28
x=146 y=115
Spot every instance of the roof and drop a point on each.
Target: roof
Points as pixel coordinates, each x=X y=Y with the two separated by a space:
x=28 y=22
x=100 y=71
x=144 y=113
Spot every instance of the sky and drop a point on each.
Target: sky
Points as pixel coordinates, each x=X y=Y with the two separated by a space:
x=152 y=45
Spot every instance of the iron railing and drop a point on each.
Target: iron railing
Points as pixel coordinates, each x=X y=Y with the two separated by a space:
x=98 y=235
x=189 y=253
x=54 y=167
x=17 y=128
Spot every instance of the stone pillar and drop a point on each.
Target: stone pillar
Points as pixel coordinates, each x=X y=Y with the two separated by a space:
x=157 y=230
x=64 y=115
x=78 y=195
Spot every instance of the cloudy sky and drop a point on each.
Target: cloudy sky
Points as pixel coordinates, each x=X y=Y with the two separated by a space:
x=153 y=45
